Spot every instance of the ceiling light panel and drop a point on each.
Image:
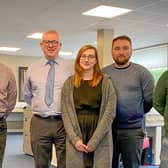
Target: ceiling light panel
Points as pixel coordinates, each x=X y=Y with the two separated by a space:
x=35 y=35
x=106 y=11
x=12 y=49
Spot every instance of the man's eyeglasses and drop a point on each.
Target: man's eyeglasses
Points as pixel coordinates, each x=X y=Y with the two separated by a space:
x=53 y=42
x=90 y=57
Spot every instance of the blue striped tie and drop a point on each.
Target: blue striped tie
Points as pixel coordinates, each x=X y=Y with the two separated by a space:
x=49 y=92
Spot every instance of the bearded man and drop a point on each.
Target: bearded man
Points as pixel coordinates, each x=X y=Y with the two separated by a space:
x=134 y=86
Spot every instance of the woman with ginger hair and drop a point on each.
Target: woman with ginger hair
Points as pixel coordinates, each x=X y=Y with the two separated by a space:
x=88 y=109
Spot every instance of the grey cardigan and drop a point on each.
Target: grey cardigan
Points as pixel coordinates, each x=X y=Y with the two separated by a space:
x=101 y=141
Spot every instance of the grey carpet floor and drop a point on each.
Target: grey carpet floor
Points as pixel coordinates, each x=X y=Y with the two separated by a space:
x=14 y=155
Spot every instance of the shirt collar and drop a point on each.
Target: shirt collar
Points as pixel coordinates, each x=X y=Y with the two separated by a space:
x=57 y=61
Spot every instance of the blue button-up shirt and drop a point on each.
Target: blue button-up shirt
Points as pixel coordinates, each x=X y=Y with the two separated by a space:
x=35 y=84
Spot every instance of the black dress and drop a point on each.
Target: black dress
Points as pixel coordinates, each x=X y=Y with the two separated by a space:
x=87 y=102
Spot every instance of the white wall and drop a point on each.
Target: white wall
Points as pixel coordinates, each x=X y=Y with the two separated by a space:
x=153 y=57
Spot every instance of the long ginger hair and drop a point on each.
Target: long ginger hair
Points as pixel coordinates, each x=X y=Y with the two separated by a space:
x=97 y=74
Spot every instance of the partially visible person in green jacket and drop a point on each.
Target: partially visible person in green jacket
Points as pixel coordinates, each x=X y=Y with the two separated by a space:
x=160 y=103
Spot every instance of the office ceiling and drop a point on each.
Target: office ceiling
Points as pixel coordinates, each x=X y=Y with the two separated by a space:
x=147 y=24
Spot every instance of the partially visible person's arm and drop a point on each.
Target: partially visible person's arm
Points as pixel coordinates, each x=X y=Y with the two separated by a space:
x=159 y=99
x=148 y=88
x=12 y=94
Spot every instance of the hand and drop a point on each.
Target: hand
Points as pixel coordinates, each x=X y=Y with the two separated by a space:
x=80 y=146
x=89 y=149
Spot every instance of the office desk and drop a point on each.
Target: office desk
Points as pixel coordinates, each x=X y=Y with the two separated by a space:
x=15 y=119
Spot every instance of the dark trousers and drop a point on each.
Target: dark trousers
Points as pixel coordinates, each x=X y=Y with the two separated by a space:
x=128 y=146
x=3 y=133
x=45 y=133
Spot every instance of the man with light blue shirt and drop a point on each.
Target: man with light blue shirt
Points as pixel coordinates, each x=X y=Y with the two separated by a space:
x=43 y=84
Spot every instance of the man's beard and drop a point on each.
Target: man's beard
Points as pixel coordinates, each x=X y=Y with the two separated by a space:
x=121 y=60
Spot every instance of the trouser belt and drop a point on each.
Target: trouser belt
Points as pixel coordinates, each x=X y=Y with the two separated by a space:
x=58 y=117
